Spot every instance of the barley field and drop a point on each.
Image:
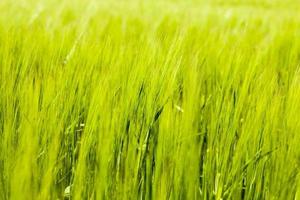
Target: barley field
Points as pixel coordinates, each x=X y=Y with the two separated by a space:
x=150 y=99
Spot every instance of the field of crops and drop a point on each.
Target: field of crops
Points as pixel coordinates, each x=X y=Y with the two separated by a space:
x=141 y=99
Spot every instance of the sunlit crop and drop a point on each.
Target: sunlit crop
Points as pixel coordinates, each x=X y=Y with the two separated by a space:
x=149 y=99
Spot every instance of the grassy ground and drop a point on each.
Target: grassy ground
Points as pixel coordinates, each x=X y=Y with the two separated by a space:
x=149 y=99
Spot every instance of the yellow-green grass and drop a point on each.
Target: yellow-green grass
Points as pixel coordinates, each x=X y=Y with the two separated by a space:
x=149 y=99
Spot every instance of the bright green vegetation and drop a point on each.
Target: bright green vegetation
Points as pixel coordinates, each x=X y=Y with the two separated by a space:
x=149 y=100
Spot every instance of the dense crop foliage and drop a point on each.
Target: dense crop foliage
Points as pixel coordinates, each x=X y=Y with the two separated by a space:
x=149 y=99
